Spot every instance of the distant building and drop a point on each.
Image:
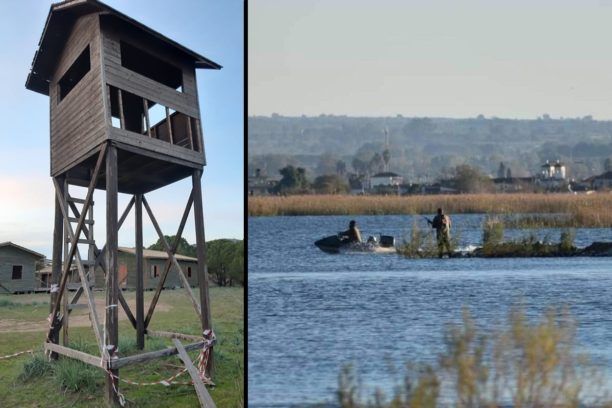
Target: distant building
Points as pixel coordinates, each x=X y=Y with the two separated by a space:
x=260 y=184
x=553 y=170
x=437 y=188
x=513 y=184
x=553 y=176
x=154 y=262
x=386 y=179
x=18 y=268
x=601 y=182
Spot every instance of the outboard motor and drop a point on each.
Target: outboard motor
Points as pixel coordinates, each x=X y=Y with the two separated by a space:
x=387 y=241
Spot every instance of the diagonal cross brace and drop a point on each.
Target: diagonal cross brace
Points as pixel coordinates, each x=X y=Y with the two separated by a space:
x=171 y=257
x=73 y=241
x=84 y=282
x=162 y=279
x=100 y=256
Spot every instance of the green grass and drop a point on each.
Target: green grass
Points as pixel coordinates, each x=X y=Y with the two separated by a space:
x=30 y=381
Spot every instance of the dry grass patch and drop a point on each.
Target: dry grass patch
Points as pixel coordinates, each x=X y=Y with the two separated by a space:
x=582 y=210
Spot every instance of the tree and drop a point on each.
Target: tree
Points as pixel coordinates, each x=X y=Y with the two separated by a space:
x=293 y=181
x=508 y=173
x=330 y=184
x=470 y=179
x=376 y=163
x=184 y=248
x=501 y=171
x=326 y=164
x=226 y=261
x=386 y=155
x=608 y=164
x=360 y=166
x=340 y=167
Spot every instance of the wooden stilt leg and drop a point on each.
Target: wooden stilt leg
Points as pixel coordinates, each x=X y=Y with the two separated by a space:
x=198 y=213
x=65 y=313
x=112 y=289
x=56 y=269
x=140 y=326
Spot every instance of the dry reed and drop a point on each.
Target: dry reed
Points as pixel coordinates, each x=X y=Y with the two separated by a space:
x=594 y=210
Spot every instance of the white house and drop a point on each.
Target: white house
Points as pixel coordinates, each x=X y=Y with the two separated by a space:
x=553 y=170
x=386 y=179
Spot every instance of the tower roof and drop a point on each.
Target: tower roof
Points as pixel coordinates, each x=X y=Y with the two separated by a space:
x=59 y=22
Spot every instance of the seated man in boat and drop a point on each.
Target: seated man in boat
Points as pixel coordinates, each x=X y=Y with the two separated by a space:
x=352 y=234
x=442 y=224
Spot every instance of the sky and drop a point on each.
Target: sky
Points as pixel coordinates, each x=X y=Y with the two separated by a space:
x=210 y=27
x=436 y=58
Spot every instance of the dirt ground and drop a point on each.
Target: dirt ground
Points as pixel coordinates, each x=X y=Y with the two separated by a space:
x=78 y=318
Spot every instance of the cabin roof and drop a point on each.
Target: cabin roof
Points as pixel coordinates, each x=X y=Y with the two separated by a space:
x=152 y=254
x=9 y=243
x=386 y=174
x=59 y=22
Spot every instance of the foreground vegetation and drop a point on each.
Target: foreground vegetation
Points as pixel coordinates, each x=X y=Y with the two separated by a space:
x=31 y=381
x=521 y=364
x=580 y=210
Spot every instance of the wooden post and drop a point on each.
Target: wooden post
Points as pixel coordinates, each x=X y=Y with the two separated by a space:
x=198 y=213
x=189 y=133
x=65 y=313
x=169 y=123
x=56 y=269
x=112 y=288
x=145 y=107
x=121 y=117
x=140 y=326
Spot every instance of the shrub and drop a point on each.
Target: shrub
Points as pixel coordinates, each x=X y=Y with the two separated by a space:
x=566 y=241
x=73 y=375
x=420 y=244
x=35 y=366
x=523 y=364
x=492 y=232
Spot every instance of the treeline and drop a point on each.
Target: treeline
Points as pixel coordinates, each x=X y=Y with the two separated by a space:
x=225 y=258
x=463 y=178
x=427 y=148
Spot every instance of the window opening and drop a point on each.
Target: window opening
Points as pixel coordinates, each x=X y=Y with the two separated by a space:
x=150 y=66
x=17 y=272
x=79 y=68
x=154 y=273
x=139 y=115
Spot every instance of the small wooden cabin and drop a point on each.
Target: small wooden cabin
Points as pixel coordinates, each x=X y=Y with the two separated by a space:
x=154 y=262
x=111 y=78
x=18 y=268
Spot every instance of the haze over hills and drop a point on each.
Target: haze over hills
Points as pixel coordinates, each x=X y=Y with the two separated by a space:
x=424 y=149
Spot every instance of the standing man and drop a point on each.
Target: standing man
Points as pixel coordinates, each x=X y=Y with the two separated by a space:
x=442 y=224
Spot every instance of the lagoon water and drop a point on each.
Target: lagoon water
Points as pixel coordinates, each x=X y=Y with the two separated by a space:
x=311 y=313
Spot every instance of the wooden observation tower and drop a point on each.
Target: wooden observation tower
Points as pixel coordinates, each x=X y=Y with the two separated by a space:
x=124 y=118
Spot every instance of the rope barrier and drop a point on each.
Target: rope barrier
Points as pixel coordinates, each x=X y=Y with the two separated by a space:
x=201 y=363
x=16 y=354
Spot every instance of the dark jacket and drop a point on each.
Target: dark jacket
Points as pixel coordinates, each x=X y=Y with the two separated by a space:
x=352 y=234
x=442 y=224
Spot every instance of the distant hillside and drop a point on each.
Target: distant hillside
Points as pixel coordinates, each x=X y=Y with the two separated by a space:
x=425 y=148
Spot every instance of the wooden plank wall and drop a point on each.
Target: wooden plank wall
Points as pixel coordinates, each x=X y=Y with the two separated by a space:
x=129 y=260
x=10 y=256
x=77 y=122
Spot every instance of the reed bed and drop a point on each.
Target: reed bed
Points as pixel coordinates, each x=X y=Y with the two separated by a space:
x=594 y=210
